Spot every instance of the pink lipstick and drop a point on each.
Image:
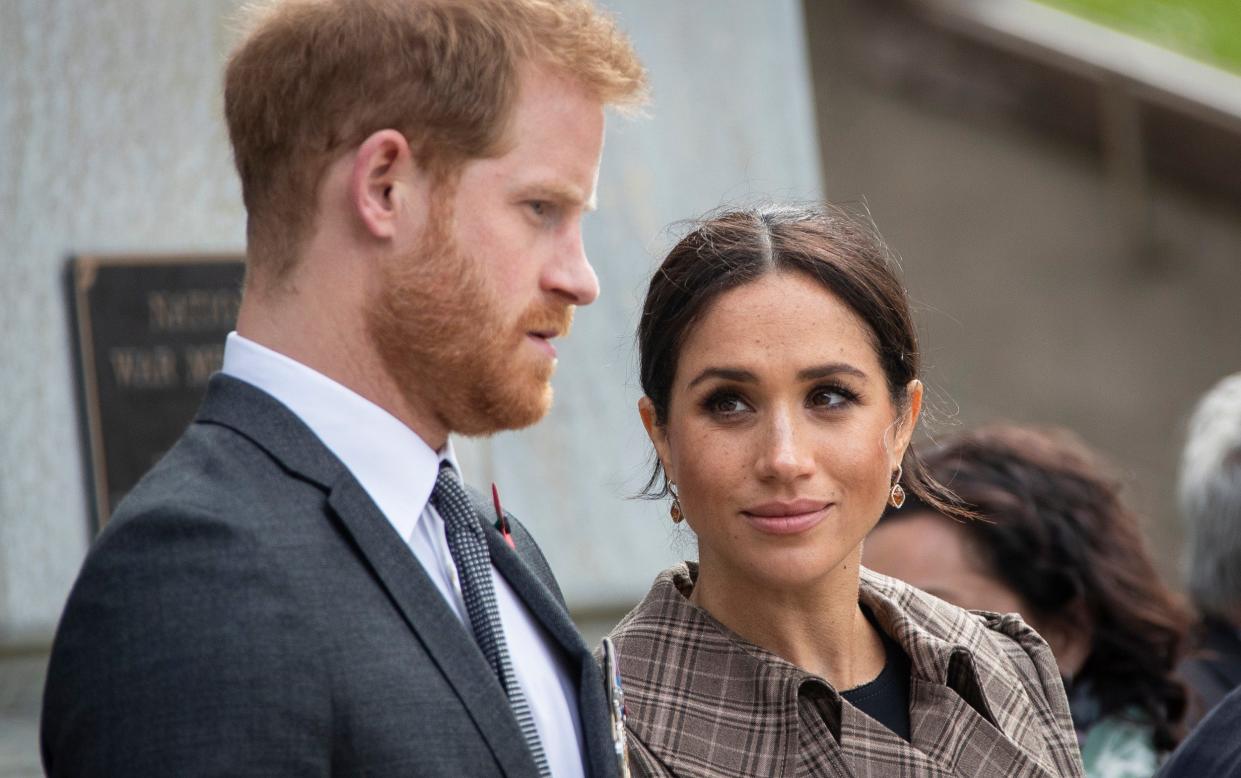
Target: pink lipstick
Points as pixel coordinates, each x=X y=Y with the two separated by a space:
x=786 y=517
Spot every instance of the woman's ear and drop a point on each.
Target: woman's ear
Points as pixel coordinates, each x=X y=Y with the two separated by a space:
x=658 y=435
x=907 y=421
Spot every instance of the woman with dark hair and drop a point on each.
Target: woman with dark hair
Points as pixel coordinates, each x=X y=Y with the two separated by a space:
x=780 y=372
x=1055 y=543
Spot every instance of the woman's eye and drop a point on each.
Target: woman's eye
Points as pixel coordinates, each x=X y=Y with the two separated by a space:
x=540 y=207
x=831 y=397
x=726 y=405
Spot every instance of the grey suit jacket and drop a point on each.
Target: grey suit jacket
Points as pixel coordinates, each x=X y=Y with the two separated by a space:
x=249 y=611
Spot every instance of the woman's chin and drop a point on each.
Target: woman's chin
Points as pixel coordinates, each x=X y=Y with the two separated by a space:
x=797 y=571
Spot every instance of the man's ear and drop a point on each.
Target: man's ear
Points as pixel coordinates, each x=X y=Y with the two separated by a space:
x=657 y=434
x=381 y=166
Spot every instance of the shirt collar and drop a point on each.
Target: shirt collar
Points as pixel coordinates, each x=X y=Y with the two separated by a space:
x=395 y=466
x=956 y=664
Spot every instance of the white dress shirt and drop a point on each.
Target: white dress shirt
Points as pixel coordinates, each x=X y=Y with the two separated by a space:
x=398 y=470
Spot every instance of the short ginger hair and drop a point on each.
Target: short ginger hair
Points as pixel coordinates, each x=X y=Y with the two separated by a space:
x=312 y=79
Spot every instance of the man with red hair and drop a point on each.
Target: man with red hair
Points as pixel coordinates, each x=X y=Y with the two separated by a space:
x=303 y=585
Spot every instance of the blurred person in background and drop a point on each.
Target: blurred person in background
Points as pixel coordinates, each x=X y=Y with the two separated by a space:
x=1213 y=748
x=779 y=365
x=1210 y=501
x=1055 y=543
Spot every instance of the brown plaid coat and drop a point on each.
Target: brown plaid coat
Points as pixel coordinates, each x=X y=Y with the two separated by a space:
x=985 y=696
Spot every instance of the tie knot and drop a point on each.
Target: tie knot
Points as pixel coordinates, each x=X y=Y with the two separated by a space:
x=453 y=504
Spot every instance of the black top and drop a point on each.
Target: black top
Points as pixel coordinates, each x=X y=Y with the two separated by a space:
x=886 y=699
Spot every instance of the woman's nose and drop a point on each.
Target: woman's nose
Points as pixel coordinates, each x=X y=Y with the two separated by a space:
x=785 y=454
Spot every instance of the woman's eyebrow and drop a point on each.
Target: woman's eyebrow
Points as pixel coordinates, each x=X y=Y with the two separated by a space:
x=727 y=373
x=830 y=369
x=806 y=374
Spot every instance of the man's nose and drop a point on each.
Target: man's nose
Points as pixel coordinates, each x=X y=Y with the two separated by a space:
x=570 y=275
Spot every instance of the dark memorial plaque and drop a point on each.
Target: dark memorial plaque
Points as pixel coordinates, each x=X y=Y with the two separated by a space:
x=150 y=333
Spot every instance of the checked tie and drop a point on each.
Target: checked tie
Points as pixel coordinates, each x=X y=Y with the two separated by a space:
x=468 y=545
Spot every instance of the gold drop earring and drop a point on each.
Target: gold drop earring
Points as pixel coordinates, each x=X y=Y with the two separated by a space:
x=897 y=497
x=675 y=509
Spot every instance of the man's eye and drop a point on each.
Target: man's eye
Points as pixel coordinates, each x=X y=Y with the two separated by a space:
x=540 y=207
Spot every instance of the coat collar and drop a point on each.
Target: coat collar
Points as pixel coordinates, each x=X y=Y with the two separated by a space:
x=678 y=661
x=270 y=425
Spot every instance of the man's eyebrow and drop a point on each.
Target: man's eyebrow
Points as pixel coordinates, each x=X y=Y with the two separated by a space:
x=726 y=373
x=557 y=193
x=830 y=369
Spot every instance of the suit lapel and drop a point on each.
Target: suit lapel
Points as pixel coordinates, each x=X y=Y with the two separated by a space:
x=543 y=606
x=274 y=428
x=547 y=610
x=436 y=626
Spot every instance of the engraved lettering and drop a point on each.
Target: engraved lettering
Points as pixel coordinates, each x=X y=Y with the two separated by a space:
x=192 y=310
x=144 y=368
x=200 y=362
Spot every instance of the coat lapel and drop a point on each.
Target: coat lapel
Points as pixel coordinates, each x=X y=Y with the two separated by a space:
x=543 y=606
x=547 y=610
x=274 y=428
x=957 y=737
x=436 y=626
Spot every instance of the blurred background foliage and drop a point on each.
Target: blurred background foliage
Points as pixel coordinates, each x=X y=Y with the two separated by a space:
x=1209 y=30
